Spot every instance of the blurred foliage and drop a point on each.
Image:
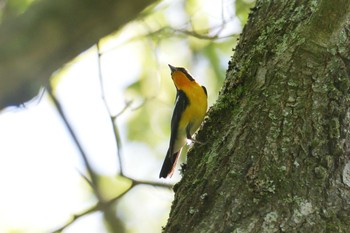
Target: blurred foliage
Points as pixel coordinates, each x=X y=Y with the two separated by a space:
x=111 y=187
x=197 y=42
x=243 y=9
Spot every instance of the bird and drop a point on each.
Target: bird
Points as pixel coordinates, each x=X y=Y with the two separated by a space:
x=190 y=108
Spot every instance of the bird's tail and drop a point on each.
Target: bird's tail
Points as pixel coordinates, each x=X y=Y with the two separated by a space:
x=169 y=164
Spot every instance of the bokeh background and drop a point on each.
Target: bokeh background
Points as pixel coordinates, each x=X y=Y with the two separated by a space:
x=125 y=77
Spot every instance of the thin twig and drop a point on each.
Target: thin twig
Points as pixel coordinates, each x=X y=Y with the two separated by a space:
x=36 y=100
x=101 y=205
x=151 y=183
x=118 y=143
x=127 y=105
x=112 y=118
x=199 y=34
x=86 y=179
x=169 y=32
x=222 y=11
x=76 y=217
x=92 y=174
x=142 y=103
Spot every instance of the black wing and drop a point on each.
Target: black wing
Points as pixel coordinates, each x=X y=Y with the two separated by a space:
x=205 y=90
x=181 y=104
x=171 y=157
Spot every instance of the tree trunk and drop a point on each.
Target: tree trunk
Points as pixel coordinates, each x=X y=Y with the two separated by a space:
x=277 y=151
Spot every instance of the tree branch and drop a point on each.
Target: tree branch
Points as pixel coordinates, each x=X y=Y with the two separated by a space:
x=100 y=206
x=51 y=33
x=93 y=176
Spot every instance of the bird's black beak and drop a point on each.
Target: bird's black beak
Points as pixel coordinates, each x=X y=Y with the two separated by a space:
x=172 y=68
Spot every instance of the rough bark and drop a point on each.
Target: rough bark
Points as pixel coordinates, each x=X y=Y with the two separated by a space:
x=51 y=33
x=277 y=151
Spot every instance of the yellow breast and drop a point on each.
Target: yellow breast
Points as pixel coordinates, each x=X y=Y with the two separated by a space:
x=195 y=112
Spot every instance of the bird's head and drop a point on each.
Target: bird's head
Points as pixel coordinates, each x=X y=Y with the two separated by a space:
x=180 y=76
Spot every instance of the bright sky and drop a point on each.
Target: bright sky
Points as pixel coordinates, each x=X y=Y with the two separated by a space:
x=40 y=184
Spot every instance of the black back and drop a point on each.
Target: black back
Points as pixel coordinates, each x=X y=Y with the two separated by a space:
x=181 y=104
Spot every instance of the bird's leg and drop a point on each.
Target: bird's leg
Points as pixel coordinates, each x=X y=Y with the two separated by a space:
x=189 y=137
x=196 y=141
